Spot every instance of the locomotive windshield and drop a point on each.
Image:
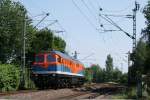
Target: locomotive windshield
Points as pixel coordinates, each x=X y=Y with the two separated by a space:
x=50 y=58
x=39 y=58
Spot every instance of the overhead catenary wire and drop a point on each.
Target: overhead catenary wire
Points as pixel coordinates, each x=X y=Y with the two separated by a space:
x=120 y=28
x=61 y=26
x=102 y=14
x=88 y=56
x=43 y=13
x=92 y=5
x=43 y=20
x=92 y=13
x=39 y=15
x=84 y=15
x=113 y=15
x=118 y=11
x=95 y=8
x=114 y=24
x=47 y=14
x=54 y=21
x=98 y=4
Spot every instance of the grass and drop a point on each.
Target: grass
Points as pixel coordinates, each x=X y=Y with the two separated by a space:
x=128 y=94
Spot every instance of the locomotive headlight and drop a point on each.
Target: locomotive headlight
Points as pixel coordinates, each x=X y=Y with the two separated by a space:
x=53 y=74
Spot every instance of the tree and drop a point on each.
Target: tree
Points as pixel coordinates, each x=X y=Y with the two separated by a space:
x=124 y=78
x=12 y=18
x=59 y=44
x=146 y=34
x=42 y=41
x=109 y=67
x=141 y=56
x=88 y=75
x=116 y=75
x=45 y=40
x=97 y=73
x=109 y=63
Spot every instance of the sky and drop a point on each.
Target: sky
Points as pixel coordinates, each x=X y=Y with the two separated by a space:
x=81 y=23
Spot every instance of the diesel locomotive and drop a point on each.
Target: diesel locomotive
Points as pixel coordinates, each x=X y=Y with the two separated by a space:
x=56 y=69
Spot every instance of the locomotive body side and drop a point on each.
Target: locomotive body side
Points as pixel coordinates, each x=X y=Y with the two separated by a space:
x=57 y=68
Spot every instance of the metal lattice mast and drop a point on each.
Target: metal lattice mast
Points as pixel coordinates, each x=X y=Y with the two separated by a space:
x=137 y=6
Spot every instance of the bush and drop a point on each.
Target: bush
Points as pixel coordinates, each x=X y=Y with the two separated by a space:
x=9 y=77
x=29 y=83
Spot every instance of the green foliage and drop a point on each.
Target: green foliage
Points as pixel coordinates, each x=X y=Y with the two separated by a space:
x=29 y=84
x=9 y=77
x=146 y=32
x=126 y=94
x=146 y=69
x=12 y=15
x=42 y=41
x=109 y=63
x=141 y=55
x=116 y=75
x=59 y=44
x=45 y=40
x=109 y=67
x=95 y=71
x=13 y=20
x=140 y=58
x=98 y=75
x=88 y=75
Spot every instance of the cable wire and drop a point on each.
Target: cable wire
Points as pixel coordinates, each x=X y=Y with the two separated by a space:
x=41 y=20
x=92 y=13
x=88 y=20
x=92 y=5
x=113 y=23
x=118 y=11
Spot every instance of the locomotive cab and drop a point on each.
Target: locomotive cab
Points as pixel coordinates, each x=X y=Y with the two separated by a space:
x=42 y=61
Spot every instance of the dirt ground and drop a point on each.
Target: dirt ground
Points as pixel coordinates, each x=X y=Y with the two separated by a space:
x=95 y=91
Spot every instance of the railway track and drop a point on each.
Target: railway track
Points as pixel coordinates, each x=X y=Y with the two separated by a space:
x=92 y=91
x=103 y=91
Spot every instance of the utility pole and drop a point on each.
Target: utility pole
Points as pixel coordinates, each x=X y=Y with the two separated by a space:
x=75 y=54
x=133 y=37
x=137 y=6
x=24 y=46
x=23 y=55
x=138 y=74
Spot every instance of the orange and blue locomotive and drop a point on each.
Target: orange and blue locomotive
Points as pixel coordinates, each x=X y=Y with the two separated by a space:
x=57 y=69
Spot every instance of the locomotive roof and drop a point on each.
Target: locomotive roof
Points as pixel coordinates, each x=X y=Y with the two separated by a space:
x=66 y=56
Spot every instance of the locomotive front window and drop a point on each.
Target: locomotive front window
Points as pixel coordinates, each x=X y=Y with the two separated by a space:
x=39 y=58
x=50 y=58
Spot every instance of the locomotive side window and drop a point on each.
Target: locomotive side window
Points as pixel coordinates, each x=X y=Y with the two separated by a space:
x=50 y=58
x=39 y=58
x=59 y=59
x=77 y=65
